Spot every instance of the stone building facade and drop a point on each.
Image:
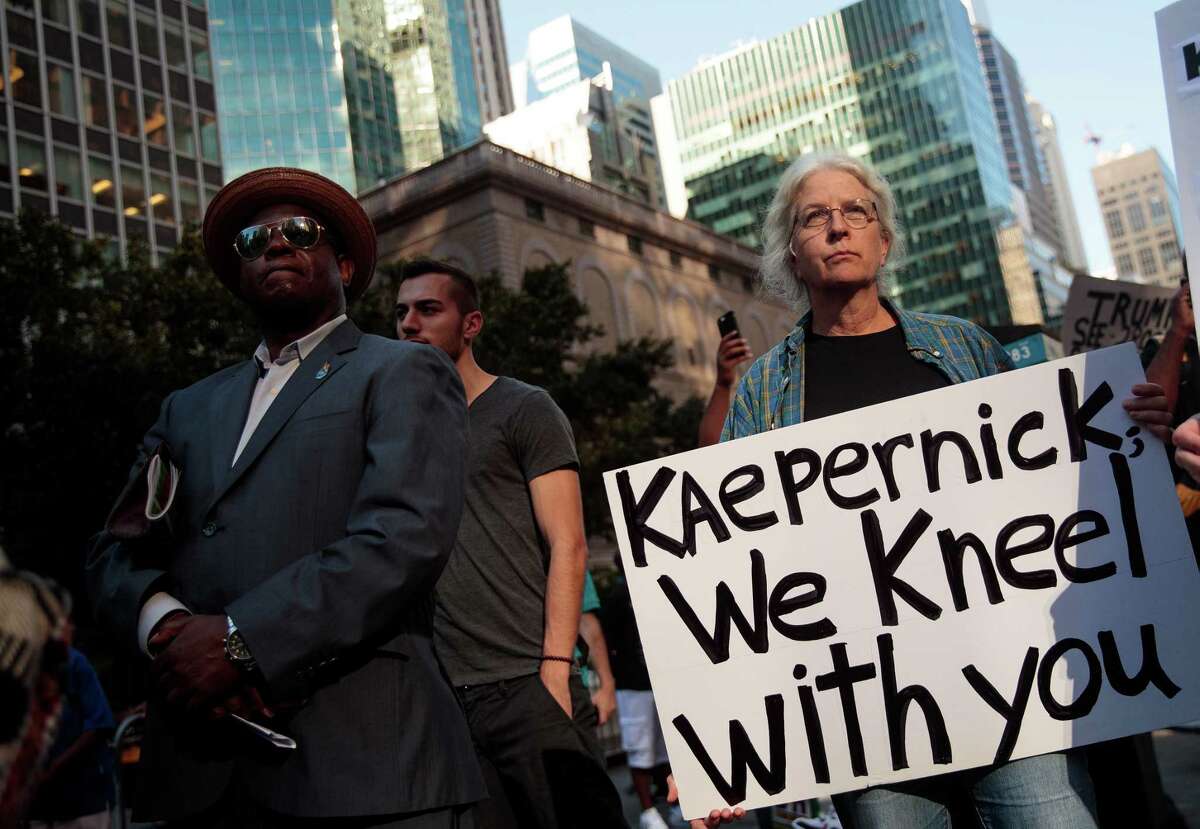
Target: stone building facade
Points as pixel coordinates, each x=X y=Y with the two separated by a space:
x=641 y=272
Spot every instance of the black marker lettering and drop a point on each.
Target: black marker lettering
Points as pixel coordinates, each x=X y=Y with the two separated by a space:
x=705 y=513
x=895 y=706
x=987 y=437
x=1066 y=537
x=953 y=552
x=856 y=464
x=637 y=513
x=716 y=646
x=1029 y=422
x=781 y=605
x=931 y=450
x=1014 y=712
x=730 y=498
x=1078 y=418
x=883 y=455
x=885 y=562
x=1151 y=671
x=842 y=677
x=1129 y=519
x=786 y=463
x=1086 y=700
x=742 y=754
x=1034 y=579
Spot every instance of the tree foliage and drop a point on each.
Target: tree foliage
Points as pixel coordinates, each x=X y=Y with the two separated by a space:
x=89 y=347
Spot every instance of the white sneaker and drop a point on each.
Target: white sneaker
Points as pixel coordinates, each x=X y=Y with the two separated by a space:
x=651 y=819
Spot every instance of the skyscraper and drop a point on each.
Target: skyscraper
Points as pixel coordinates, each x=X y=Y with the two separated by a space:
x=1018 y=138
x=580 y=130
x=895 y=82
x=432 y=60
x=490 y=58
x=1059 y=189
x=295 y=87
x=109 y=116
x=358 y=92
x=1140 y=202
x=564 y=51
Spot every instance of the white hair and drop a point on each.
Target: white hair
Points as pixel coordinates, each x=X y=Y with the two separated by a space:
x=778 y=277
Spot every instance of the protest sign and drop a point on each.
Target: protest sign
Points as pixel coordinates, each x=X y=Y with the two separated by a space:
x=988 y=571
x=1179 y=50
x=1103 y=312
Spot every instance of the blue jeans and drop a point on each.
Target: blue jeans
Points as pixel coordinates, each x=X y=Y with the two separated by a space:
x=1050 y=791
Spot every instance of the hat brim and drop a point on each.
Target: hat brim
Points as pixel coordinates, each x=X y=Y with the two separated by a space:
x=237 y=202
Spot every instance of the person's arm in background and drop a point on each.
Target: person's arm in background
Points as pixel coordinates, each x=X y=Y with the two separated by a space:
x=1167 y=366
x=558 y=509
x=605 y=697
x=731 y=351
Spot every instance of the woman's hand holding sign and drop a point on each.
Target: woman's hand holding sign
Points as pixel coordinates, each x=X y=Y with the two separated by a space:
x=1150 y=408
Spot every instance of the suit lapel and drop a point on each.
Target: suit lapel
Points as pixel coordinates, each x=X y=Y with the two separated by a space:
x=227 y=416
x=317 y=368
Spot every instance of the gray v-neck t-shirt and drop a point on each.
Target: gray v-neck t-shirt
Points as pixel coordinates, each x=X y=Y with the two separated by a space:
x=491 y=597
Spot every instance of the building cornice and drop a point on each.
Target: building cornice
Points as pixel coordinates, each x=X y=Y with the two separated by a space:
x=484 y=164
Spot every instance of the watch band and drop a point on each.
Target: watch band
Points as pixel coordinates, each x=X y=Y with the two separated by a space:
x=236 y=649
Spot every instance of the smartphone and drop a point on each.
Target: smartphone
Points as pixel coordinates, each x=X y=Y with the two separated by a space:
x=727 y=323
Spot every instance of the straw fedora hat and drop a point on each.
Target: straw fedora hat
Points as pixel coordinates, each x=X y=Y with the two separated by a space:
x=236 y=202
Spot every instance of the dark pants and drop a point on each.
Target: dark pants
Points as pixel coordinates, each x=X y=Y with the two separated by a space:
x=543 y=769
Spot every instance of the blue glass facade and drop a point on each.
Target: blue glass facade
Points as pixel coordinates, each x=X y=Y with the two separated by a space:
x=280 y=87
x=896 y=82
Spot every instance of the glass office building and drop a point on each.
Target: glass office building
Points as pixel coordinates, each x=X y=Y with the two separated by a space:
x=109 y=116
x=895 y=82
x=303 y=83
x=434 y=68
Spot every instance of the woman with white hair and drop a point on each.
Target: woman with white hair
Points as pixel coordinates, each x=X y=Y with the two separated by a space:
x=831 y=234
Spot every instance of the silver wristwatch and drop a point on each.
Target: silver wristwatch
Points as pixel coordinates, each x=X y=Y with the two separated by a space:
x=236 y=650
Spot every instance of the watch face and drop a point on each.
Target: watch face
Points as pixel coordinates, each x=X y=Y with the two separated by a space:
x=235 y=646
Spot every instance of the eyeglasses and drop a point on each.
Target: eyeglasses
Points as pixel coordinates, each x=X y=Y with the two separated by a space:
x=298 y=231
x=857 y=214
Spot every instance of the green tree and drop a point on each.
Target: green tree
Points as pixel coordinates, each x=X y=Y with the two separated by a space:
x=541 y=334
x=90 y=347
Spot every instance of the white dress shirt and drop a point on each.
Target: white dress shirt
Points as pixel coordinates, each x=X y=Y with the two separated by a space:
x=273 y=376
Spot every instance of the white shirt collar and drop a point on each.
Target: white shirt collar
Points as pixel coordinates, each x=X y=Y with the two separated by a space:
x=299 y=349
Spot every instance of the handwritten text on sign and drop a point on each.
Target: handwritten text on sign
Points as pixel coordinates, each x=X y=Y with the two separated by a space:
x=989 y=571
x=1103 y=312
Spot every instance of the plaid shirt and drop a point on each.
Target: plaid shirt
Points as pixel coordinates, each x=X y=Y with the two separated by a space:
x=771 y=394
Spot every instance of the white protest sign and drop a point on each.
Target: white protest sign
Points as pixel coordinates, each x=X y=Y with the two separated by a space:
x=1179 y=49
x=993 y=570
x=1103 y=312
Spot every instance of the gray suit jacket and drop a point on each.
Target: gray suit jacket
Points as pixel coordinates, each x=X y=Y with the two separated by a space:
x=323 y=543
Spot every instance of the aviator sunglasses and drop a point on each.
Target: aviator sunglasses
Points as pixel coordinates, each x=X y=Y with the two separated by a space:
x=301 y=232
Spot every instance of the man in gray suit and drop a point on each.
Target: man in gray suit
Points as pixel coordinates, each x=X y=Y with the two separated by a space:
x=291 y=579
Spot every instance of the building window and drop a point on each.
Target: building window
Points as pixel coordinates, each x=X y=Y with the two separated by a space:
x=200 y=60
x=133 y=190
x=56 y=11
x=714 y=272
x=95 y=102
x=118 y=24
x=175 y=49
x=89 y=17
x=24 y=78
x=156 y=120
x=1113 y=224
x=189 y=202
x=208 y=137
x=125 y=106
x=185 y=136
x=676 y=259
x=535 y=210
x=587 y=228
x=68 y=173
x=5 y=168
x=1158 y=211
x=1147 y=262
x=1137 y=219
x=31 y=163
x=160 y=199
x=635 y=244
x=101 y=174
x=60 y=83
x=1169 y=251
x=147 y=35
x=1125 y=265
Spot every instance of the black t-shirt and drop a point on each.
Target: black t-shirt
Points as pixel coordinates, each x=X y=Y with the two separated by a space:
x=846 y=373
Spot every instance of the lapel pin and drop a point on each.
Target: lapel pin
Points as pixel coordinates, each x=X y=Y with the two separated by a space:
x=324 y=372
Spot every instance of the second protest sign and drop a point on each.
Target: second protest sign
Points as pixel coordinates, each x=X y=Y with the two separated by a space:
x=984 y=572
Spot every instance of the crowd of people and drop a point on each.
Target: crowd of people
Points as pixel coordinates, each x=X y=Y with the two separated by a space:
x=355 y=567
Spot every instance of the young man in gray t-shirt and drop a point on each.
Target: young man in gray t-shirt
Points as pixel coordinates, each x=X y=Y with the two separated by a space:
x=508 y=602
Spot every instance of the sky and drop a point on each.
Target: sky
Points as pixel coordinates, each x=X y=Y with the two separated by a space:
x=1094 y=65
